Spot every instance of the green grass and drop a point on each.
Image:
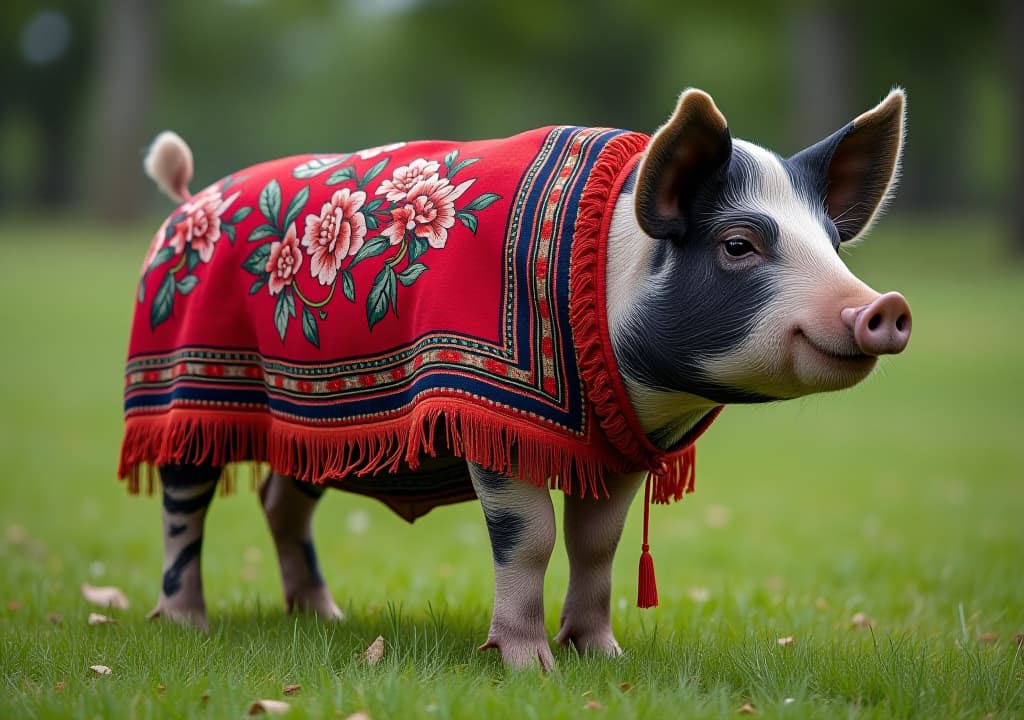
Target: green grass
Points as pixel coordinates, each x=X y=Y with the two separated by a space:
x=902 y=499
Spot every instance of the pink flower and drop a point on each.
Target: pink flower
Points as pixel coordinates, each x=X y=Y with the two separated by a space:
x=336 y=233
x=433 y=205
x=405 y=177
x=284 y=262
x=402 y=219
x=200 y=226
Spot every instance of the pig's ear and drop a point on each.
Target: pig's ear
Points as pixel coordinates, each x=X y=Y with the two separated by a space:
x=686 y=153
x=857 y=168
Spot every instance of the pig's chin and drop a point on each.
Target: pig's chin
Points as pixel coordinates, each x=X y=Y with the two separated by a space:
x=824 y=364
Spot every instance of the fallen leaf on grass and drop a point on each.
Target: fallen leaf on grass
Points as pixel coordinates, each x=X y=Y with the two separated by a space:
x=15 y=534
x=292 y=689
x=822 y=604
x=747 y=709
x=100 y=669
x=13 y=606
x=105 y=596
x=55 y=618
x=593 y=705
x=59 y=687
x=625 y=687
x=989 y=637
x=376 y=651
x=205 y=697
x=97 y=619
x=786 y=641
x=268 y=707
x=1019 y=637
x=860 y=620
x=361 y=715
x=160 y=689
x=699 y=595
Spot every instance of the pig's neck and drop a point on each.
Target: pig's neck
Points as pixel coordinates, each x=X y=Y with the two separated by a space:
x=665 y=415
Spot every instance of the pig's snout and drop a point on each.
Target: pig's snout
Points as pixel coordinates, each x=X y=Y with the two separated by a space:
x=882 y=327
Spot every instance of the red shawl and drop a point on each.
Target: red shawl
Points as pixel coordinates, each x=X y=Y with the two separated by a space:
x=345 y=317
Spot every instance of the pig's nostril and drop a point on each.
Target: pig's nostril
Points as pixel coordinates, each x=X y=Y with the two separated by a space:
x=875 y=321
x=901 y=322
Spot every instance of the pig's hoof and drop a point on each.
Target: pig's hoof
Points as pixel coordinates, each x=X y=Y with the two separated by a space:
x=187 y=616
x=521 y=654
x=589 y=641
x=315 y=600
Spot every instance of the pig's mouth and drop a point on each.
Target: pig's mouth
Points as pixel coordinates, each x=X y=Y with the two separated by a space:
x=851 y=356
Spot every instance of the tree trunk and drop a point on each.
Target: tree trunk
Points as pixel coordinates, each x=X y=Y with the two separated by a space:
x=124 y=95
x=1013 y=25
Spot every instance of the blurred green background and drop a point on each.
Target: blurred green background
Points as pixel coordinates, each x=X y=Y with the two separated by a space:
x=902 y=498
x=87 y=83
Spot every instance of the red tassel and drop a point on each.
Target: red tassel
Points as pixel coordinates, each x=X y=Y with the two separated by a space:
x=647 y=588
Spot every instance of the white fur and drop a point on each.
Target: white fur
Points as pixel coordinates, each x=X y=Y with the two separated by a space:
x=169 y=163
x=809 y=271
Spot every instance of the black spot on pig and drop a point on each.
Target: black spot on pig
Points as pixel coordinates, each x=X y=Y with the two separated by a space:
x=190 y=504
x=309 y=554
x=506 y=531
x=172 y=576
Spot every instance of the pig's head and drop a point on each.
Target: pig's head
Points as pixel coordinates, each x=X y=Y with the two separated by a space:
x=739 y=294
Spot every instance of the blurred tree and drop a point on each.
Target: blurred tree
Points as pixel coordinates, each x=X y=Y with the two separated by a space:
x=124 y=92
x=1013 y=23
x=46 y=55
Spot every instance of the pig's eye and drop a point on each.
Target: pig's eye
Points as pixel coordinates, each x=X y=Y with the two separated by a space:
x=738 y=247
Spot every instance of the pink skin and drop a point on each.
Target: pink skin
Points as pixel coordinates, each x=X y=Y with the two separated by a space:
x=881 y=327
x=517 y=624
x=593 y=528
x=289 y=514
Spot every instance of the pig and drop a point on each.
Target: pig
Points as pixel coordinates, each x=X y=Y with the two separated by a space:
x=723 y=284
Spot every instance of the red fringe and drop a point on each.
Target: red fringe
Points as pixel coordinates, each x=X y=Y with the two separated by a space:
x=490 y=438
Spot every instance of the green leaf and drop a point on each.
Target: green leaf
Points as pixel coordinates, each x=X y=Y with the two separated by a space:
x=295 y=207
x=392 y=290
x=191 y=258
x=187 y=284
x=257 y=285
x=417 y=246
x=231 y=180
x=256 y=263
x=408 y=276
x=483 y=201
x=379 y=298
x=142 y=290
x=316 y=166
x=264 y=231
x=163 y=255
x=322 y=314
x=163 y=303
x=374 y=172
x=348 y=286
x=309 y=328
x=371 y=207
x=270 y=202
x=371 y=248
x=281 y=315
x=460 y=165
x=228 y=230
x=371 y=222
x=290 y=301
x=450 y=158
x=468 y=219
x=340 y=176
x=240 y=215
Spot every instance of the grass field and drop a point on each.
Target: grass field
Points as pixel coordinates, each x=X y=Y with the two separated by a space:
x=902 y=499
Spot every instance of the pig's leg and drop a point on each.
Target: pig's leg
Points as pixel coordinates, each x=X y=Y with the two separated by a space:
x=592 y=529
x=289 y=505
x=187 y=492
x=521 y=524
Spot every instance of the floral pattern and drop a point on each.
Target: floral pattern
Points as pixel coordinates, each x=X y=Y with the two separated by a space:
x=335 y=234
x=284 y=262
x=409 y=212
